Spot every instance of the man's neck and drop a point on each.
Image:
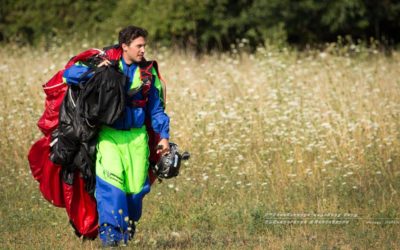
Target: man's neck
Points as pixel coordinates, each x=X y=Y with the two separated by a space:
x=126 y=59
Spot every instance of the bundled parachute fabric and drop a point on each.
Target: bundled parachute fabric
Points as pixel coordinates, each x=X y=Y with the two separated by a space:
x=100 y=101
x=49 y=175
x=43 y=170
x=81 y=208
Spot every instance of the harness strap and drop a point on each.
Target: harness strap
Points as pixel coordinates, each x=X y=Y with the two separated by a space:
x=147 y=78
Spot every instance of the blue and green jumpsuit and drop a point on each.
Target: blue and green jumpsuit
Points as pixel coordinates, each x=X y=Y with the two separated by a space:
x=122 y=155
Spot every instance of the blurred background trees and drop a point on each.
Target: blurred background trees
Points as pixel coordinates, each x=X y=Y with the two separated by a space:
x=203 y=25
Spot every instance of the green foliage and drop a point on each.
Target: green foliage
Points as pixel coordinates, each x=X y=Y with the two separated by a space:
x=31 y=21
x=203 y=25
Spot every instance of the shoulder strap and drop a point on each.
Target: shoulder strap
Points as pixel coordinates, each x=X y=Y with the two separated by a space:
x=163 y=82
x=146 y=78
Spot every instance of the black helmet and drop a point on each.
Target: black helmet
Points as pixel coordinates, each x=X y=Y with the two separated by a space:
x=169 y=164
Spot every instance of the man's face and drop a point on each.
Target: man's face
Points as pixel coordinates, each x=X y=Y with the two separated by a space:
x=135 y=51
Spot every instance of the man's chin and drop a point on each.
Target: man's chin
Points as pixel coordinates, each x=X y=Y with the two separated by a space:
x=139 y=59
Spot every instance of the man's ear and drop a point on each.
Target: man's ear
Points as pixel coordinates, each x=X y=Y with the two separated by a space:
x=124 y=47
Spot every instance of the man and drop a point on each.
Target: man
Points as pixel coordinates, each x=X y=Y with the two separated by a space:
x=122 y=159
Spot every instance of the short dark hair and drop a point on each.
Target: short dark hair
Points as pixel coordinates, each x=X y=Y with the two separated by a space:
x=130 y=33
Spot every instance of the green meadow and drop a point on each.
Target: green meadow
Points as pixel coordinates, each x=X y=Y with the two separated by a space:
x=289 y=150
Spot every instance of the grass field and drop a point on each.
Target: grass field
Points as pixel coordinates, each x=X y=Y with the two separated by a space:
x=290 y=150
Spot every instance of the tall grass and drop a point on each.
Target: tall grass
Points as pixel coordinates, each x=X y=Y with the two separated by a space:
x=274 y=133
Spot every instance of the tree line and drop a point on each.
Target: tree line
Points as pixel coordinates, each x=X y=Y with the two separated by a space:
x=203 y=25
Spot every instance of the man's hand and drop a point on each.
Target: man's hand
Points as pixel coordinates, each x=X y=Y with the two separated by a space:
x=163 y=147
x=105 y=62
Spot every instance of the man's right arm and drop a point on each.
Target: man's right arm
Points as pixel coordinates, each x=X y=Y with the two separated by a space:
x=76 y=74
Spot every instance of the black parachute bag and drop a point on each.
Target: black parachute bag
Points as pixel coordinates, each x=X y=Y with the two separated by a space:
x=65 y=143
x=102 y=101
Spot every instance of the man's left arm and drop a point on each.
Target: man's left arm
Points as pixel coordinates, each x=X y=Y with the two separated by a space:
x=159 y=119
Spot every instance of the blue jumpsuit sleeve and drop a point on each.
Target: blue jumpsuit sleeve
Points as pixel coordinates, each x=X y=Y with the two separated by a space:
x=75 y=74
x=159 y=119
